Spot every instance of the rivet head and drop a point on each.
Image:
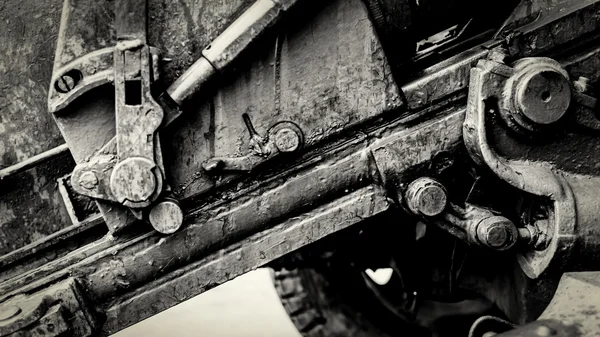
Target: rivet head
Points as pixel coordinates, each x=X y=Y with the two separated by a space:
x=88 y=180
x=287 y=140
x=426 y=197
x=166 y=216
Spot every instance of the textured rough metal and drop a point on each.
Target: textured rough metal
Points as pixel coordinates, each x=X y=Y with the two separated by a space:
x=88 y=180
x=50 y=312
x=426 y=197
x=479 y=226
x=166 y=216
x=227 y=47
x=326 y=72
x=312 y=66
x=497 y=232
x=287 y=140
x=537 y=95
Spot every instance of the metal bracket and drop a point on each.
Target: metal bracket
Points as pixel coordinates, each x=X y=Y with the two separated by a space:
x=86 y=73
x=136 y=179
x=486 y=86
x=283 y=137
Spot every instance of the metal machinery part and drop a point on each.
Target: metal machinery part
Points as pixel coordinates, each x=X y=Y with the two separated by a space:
x=276 y=169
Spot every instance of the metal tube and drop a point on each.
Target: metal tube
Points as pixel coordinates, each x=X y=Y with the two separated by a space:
x=228 y=46
x=32 y=161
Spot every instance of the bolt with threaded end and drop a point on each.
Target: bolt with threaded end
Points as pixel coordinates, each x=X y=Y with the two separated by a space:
x=426 y=197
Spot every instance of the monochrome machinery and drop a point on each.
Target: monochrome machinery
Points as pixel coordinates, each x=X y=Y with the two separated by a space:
x=152 y=150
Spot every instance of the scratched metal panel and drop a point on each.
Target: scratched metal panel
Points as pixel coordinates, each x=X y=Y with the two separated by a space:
x=324 y=71
x=28 y=39
x=30 y=204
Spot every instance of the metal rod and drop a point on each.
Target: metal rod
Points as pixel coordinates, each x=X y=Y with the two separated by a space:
x=32 y=161
x=226 y=47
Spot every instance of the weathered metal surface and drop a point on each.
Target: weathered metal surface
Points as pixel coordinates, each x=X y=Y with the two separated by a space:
x=31 y=205
x=32 y=161
x=537 y=96
x=240 y=258
x=570 y=216
x=305 y=76
x=50 y=312
x=26 y=129
x=166 y=216
x=534 y=179
x=312 y=74
x=427 y=197
x=51 y=247
x=572 y=147
x=555 y=25
x=228 y=46
x=126 y=266
x=280 y=140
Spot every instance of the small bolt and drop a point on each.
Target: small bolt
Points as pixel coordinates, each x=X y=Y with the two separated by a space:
x=166 y=216
x=9 y=312
x=65 y=83
x=88 y=180
x=497 y=232
x=582 y=85
x=426 y=197
x=287 y=140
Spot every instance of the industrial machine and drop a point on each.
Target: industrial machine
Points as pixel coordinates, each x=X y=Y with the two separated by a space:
x=153 y=149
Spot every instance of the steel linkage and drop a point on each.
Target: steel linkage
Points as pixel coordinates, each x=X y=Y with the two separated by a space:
x=271 y=175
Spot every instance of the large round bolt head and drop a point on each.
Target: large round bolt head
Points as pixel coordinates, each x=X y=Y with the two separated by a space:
x=88 y=180
x=497 y=232
x=543 y=97
x=133 y=180
x=8 y=312
x=166 y=216
x=426 y=197
x=287 y=140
